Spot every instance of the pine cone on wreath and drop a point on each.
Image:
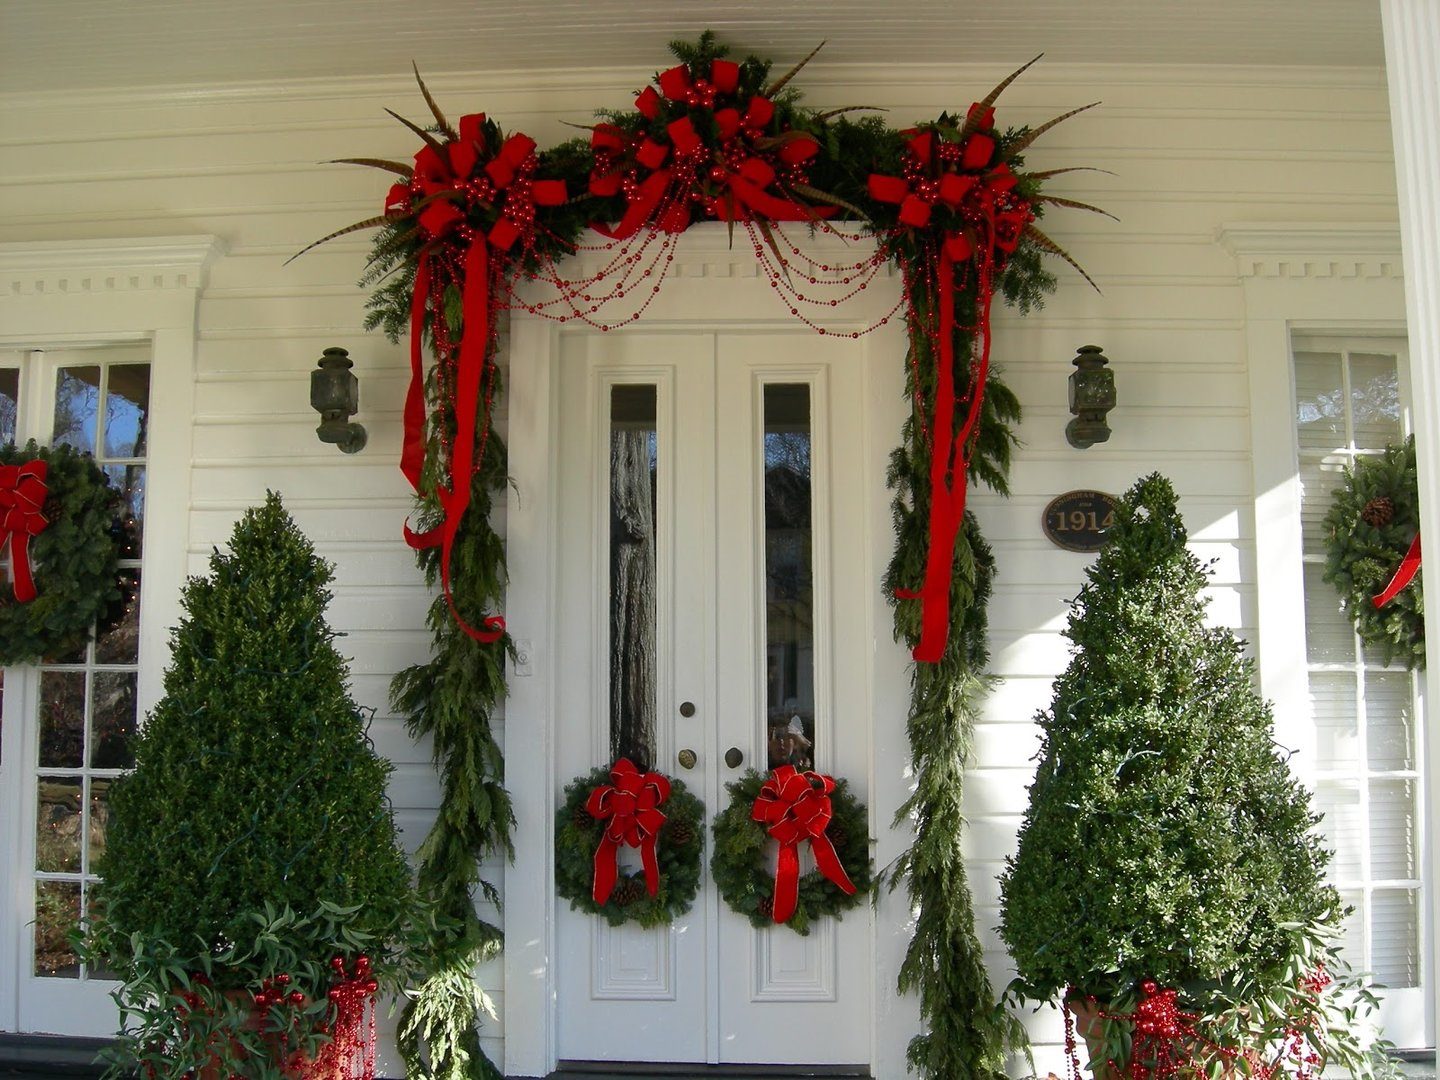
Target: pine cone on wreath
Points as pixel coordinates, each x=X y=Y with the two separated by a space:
x=1378 y=512
x=837 y=840
x=679 y=833
x=627 y=891
x=766 y=906
x=582 y=819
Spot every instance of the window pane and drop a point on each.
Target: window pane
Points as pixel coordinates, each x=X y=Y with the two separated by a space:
x=113 y=716
x=1332 y=701
x=77 y=405
x=1392 y=830
x=633 y=463
x=1329 y=637
x=117 y=634
x=1389 y=721
x=127 y=409
x=62 y=719
x=129 y=481
x=1339 y=803
x=1352 y=927
x=1319 y=480
x=1375 y=399
x=57 y=912
x=57 y=824
x=1394 y=930
x=99 y=819
x=9 y=402
x=789 y=583
x=1319 y=400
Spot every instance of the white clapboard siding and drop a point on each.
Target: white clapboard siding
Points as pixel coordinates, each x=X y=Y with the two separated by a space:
x=1189 y=148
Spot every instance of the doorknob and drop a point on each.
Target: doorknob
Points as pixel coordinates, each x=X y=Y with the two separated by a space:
x=733 y=757
x=686 y=758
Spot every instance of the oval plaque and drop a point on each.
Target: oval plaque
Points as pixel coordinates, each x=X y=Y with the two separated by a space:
x=1079 y=520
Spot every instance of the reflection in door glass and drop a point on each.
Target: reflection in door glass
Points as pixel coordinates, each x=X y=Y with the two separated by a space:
x=632 y=573
x=789 y=585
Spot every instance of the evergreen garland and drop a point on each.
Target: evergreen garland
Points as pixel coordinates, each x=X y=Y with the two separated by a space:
x=740 y=863
x=1375 y=516
x=678 y=851
x=75 y=559
x=968 y=1034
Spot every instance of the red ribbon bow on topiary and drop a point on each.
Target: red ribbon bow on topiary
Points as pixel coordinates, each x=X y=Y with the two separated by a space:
x=795 y=806
x=630 y=807
x=22 y=498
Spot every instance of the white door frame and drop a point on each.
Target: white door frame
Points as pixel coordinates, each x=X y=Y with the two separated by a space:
x=76 y=292
x=711 y=285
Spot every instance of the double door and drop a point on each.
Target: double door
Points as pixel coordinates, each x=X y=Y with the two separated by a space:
x=713 y=612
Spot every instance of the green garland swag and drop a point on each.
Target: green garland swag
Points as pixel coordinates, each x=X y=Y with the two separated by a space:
x=75 y=559
x=866 y=170
x=678 y=851
x=741 y=860
x=1370 y=527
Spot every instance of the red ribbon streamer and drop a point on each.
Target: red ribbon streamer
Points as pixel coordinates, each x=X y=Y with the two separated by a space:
x=455 y=500
x=795 y=806
x=630 y=807
x=1404 y=574
x=22 y=498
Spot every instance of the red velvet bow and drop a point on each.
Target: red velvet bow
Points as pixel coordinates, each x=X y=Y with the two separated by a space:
x=630 y=807
x=961 y=179
x=795 y=806
x=448 y=178
x=22 y=498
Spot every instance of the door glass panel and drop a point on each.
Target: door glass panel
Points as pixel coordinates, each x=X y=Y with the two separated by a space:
x=633 y=461
x=1319 y=401
x=789 y=581
x=57 y=825
x=62 y=719
x=1375 y=400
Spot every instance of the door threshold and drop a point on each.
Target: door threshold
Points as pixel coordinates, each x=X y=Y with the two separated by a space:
x=660 y=1070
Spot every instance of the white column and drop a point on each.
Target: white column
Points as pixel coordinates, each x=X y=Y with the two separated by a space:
x=1412 y=60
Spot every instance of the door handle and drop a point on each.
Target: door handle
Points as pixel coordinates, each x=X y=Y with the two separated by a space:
x=733 y=757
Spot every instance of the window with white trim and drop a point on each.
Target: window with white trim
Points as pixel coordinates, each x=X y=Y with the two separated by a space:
x=1351 y=397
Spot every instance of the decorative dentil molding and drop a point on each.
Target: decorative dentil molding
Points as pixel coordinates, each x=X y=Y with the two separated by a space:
x=1304 y=250
x=31 y=268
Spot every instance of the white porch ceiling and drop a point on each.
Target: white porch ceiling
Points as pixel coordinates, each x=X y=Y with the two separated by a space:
x=91 y=44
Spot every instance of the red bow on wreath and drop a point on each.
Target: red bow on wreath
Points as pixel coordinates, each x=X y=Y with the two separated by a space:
x=630 y=807
x=1404 y=574
x=22 y=498
x=795 y=806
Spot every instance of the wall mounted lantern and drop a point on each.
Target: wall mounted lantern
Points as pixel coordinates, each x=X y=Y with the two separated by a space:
x=1092 y=395
x=335 y=395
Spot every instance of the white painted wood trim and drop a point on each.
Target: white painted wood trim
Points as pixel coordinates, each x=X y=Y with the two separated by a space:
x=1412 y=51
x=529 y=753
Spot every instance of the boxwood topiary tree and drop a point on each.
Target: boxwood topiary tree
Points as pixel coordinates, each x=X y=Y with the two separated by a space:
x=252 y=850
x=1166 y=840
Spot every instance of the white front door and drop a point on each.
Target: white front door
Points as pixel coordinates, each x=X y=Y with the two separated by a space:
x=709 y=486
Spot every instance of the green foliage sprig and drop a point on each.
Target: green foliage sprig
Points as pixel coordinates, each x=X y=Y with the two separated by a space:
x=740 y=862
x=681 y=843
x=253 y=838
x=1369 y=528
x=75 y=559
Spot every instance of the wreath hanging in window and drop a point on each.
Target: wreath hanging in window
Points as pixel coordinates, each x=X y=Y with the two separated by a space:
x=58 y=524
x=609 y=809
x=1372 y=553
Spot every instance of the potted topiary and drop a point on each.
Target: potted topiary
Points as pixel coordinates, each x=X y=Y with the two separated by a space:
x=253 y=891
x=1168 y=881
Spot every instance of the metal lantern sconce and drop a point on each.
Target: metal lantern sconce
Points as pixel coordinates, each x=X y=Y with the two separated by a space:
x=1092 y=395
x=335 y=395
